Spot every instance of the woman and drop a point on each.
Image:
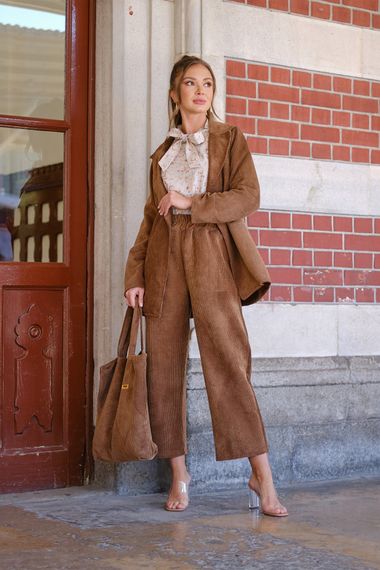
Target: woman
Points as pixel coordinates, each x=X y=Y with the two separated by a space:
x=185 y=266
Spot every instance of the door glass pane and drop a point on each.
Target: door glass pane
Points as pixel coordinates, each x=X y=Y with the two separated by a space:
x=32 y=58
x=31 y=195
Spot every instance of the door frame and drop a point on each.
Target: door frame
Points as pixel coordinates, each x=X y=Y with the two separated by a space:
x=88 y=474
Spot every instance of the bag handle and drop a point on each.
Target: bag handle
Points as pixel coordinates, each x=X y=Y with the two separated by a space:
x=136 y=321
x=128 y=333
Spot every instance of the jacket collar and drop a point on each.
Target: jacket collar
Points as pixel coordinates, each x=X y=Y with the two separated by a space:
x=218 y=143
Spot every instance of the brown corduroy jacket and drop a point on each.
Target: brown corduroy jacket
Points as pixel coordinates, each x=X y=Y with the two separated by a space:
x=232 y=192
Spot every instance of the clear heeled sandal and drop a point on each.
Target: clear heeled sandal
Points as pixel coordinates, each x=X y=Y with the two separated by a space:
x=254 y=503
x=183 y=488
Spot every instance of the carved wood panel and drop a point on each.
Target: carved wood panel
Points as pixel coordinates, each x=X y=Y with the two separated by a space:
x=33 y=368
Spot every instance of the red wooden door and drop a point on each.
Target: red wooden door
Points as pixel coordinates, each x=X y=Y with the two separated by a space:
x=45 y=50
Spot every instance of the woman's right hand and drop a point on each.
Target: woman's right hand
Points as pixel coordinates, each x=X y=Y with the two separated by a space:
x=131 y=295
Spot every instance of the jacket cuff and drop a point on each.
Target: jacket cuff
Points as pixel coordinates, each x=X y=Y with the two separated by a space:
x=203 y=208
x=135 y=279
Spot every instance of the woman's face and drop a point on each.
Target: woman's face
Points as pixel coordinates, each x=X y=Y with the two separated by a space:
x=196 y=89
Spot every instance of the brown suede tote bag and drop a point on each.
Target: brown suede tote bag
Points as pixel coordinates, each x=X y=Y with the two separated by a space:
x=122 y=430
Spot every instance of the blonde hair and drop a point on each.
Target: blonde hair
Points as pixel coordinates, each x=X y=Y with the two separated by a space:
x=178 y=71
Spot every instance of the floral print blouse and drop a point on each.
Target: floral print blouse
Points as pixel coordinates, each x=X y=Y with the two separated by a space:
x=184 y=166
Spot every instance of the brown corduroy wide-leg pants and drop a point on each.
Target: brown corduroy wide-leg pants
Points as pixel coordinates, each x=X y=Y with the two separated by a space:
x=199 y=275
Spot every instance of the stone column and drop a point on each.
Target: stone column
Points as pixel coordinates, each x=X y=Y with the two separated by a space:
x=198 y=30
x=188 y=27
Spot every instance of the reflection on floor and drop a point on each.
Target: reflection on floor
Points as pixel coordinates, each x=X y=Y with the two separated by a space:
x=331 y=525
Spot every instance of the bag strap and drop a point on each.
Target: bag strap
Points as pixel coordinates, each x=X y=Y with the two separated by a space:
x=125 y=334
x=128 y=335
x=136 y=321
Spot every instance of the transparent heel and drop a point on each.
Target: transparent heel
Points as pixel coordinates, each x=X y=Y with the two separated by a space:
x=254 y=499
x=254 y=503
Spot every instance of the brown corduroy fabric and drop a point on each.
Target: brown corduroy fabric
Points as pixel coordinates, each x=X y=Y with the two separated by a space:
x=200 y=282
x=232 y=192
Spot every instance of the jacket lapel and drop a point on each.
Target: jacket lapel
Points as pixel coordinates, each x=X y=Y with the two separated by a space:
x=218 y=144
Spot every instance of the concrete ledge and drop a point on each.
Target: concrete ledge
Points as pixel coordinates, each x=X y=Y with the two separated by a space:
x=297 y=453
x=321 y=415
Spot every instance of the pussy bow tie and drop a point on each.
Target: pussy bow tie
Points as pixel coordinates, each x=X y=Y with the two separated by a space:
x=191 y=140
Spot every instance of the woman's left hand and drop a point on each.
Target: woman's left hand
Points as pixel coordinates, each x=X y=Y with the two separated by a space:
x=173 y=198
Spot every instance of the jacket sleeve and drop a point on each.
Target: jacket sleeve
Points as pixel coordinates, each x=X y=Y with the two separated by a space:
x=134 y=269
x=243 y=196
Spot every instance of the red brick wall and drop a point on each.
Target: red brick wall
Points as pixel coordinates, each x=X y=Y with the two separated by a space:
x=364 y=13
x=319 y=257
x=313 y=258
x=292 y=112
